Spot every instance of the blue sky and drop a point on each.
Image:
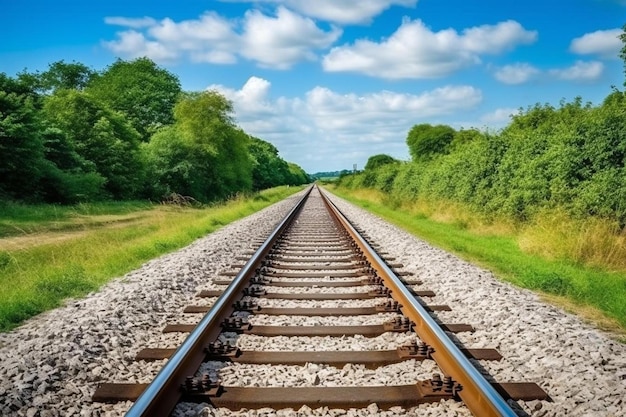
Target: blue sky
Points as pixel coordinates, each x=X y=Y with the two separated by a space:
x=332 y=82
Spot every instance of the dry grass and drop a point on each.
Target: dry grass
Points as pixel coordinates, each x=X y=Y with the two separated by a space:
x=74 y=229
x=581 y=263
x=591 y=241
x=59 y=259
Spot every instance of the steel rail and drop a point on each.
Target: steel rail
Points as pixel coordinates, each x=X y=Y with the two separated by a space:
x=477 y=393
x=160 y=397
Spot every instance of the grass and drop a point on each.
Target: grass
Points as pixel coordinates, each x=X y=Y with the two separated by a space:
x=594 y=292
x=58 y=260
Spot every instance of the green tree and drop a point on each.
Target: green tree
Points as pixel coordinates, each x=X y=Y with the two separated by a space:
x=61 y=75
x=376 y=161
x=425 y=141
x=143 y=92
x=99 y=136
x=21 y=145
x=174 y=166
x=297 y=175
x=68 y=178
x=217 y=150
x=269 y=170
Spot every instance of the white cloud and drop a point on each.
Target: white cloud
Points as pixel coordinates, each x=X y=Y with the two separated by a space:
x=580 y=71
x=133 y=44
x=518 y=73
x=276 y=42
x=338 y=11
x=251 y=99
x=282 y=41
x=134 y=23
x=321 y=128
x=605 y=43
x=499 y=117
x=414 y=51
x=192 y=34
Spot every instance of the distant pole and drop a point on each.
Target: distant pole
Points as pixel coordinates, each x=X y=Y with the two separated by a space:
x=354 y=168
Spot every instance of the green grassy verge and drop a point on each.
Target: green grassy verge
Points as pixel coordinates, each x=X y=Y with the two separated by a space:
x=40 y=276
x=579 y=285
x=19 y=219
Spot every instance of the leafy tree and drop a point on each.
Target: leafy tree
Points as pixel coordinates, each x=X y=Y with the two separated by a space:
x=269 y=170
x=217 y=152
x=376 y=161
x=297 y=175
x=174 y=166
x=21 y=146
x=68 y=178
x=61 y=75
x=425 y=141
x=143 y=92
x=99 y=136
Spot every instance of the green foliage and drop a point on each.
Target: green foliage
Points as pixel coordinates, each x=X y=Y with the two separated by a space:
x=139 y=89
x=297 y=175
x=219 y=150
x=21 y=145
x=376 y=161
x=269 y=170
x=99 y=136
x=583 y=285
x=71 y=135
x=572 y=157
x=426 y=141
x=61 y=75
x=171 y=167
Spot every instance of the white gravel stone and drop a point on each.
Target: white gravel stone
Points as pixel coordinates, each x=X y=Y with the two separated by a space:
x=385 y=341
x=581 y=368
x=52 y=364
x=55 y=361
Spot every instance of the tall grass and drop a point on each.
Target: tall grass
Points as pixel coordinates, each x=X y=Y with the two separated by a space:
x=38 y=278
x=580 y=261
x=592 y=241
x=19 y=218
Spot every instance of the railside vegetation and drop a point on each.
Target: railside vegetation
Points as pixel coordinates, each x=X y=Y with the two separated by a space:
x=595 y=292
x=542 y=201
x=72 y=134
x=48 y=253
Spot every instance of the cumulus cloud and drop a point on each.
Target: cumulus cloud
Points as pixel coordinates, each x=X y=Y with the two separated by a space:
x=605 y=43
x=324 y=129
x=499 y=117
x=580 y=71
x=415 y=51
x=135 y=23
x=251 y=99
x=281 y=41
x=518 y=73
x=133 y=44
x=338 y=11
x=271 y=41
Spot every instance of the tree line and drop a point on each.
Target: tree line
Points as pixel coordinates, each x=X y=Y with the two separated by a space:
x=72 y=134
x=571 y=157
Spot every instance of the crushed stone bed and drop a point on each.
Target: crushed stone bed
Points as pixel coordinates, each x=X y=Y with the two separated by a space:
x=52 y=364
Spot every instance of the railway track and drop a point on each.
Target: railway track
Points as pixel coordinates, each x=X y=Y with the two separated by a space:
x=317 y=287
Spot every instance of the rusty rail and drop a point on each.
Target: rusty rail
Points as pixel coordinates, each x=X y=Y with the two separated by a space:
x=477 y=393
x=175 y=382
x=163 y=393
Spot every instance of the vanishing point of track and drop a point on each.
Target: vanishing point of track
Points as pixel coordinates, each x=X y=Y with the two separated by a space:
x=315 y=254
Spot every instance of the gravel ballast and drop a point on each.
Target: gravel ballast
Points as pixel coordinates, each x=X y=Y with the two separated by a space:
x=52 y=364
